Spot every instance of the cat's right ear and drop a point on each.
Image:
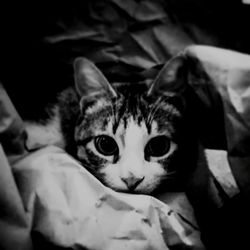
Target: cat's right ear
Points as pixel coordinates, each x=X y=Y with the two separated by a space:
x=89 y=79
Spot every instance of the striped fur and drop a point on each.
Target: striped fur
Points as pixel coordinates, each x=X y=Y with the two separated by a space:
x=134 y=117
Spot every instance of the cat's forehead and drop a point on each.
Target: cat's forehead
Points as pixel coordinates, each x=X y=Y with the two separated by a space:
x=132 y=131
x=104 y=115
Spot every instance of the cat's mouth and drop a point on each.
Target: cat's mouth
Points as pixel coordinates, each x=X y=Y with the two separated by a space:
x=133 y=191
x=130 y=191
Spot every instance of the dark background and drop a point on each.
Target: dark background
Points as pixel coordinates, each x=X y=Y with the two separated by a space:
x=40 y=40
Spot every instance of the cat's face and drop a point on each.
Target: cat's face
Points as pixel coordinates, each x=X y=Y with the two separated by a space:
x=127 y=135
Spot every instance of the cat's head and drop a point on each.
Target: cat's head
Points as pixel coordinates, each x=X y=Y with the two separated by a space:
x=131 y=136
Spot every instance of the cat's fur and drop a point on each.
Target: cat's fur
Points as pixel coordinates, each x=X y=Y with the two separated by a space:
x=131 y=115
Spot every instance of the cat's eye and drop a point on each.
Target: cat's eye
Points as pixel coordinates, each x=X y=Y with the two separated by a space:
x=158 y=146
x=106 y=145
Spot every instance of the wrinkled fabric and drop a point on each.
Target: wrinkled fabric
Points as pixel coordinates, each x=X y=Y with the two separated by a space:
x=229 y=76
x=56 y=202
x=11 y=126
x=128 y=36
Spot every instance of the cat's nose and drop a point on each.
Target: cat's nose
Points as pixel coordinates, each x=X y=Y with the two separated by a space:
x=132 y=182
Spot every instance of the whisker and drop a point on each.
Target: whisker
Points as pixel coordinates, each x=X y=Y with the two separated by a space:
x=170 y=175
x=172 y=172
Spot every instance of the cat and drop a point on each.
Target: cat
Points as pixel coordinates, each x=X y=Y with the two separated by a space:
x=133 y=137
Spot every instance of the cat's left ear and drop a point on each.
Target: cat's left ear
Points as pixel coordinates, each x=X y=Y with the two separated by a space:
x=172 y=77
x=89 y=79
